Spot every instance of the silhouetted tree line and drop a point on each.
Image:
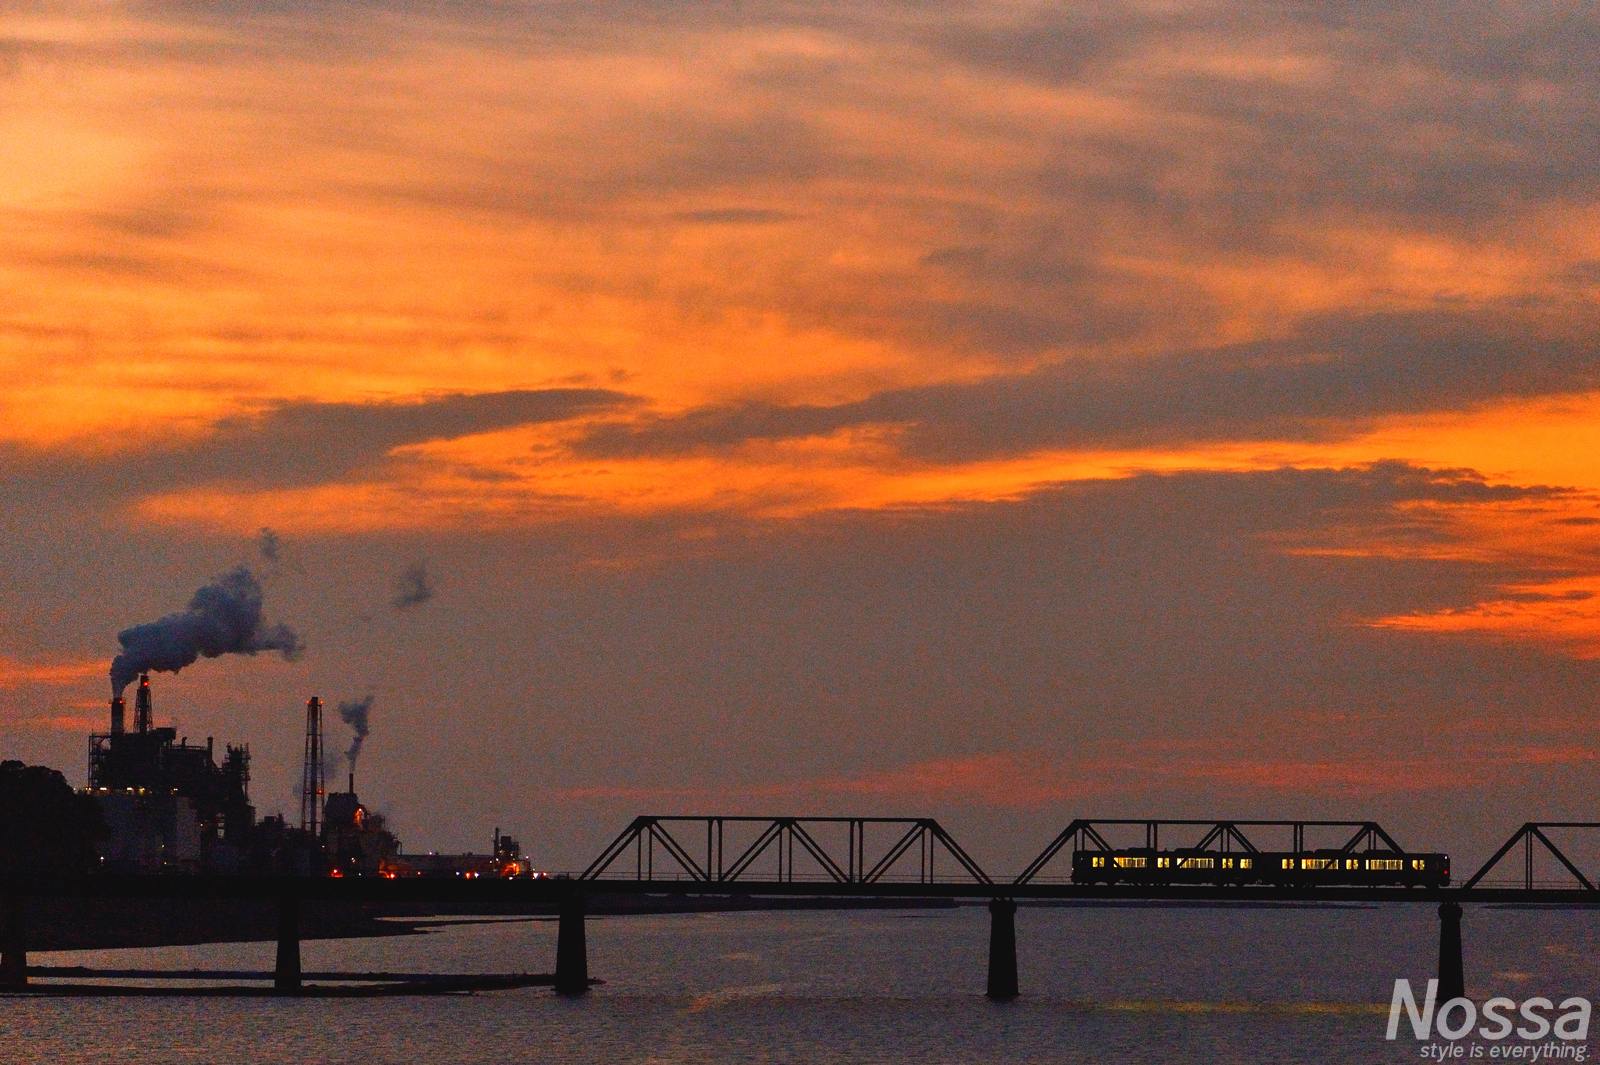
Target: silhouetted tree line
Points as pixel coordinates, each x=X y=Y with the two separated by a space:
x=45 y=826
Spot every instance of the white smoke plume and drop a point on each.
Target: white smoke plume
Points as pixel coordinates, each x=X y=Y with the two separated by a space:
x=224 y=618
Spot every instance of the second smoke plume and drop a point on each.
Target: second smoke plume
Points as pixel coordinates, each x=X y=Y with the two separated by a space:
x=356 y=713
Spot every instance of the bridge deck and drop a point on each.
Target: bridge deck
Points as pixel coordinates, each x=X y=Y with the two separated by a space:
x=551 y=891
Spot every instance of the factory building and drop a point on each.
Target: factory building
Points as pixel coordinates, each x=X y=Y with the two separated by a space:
x=504 y=860
x=170 y=806
x=355 y=841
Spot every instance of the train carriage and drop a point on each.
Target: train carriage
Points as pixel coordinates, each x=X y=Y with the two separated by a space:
x=1271 y=868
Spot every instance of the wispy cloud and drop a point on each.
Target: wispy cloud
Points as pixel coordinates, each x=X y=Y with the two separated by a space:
x=1562 y=612
x=812 y=208
x=15 y=673
x=1031 y=781
x=1329 y=382
x=292 y=443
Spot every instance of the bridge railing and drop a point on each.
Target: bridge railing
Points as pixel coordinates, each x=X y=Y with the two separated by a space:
x=1089 y=834
x=783 y=838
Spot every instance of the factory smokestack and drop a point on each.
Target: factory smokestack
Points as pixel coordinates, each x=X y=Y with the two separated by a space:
x=118 y=716
x=311 y=779
x=223 y=618
x=143 y=711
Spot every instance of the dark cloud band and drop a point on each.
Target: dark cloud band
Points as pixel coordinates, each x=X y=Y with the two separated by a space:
x=1326 y=382
x=304 y=442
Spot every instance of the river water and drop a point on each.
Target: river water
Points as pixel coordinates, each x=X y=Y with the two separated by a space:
x=1100 y=985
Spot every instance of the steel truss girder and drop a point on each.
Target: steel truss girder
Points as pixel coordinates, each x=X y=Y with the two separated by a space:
x=644 y=833
x=1526 y=835
x=1085 y=834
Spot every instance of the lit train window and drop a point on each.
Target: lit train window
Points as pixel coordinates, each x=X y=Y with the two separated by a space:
x=1246 y=863
x=1196 y=863
x=1352 y=863
x=1129 y=863
x=1418 y=863
x=1385 y=863
x=1162 y=863
x=1319 y=863
x=1227 y=863
x=1288 y=863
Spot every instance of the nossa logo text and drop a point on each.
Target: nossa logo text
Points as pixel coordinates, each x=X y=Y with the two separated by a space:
x=1533 y=1019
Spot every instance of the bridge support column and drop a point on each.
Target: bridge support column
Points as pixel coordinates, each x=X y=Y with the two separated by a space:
x=572 y=949
x=286 y=976
x=1452 y=977
x=1002 y=950
x=13 y=944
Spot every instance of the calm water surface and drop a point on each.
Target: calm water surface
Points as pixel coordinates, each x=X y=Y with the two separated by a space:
x=1100 y=985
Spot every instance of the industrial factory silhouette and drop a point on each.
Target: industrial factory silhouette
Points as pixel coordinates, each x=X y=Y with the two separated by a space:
x=171 y=807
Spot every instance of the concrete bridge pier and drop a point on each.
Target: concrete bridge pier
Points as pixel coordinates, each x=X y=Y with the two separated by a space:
x=286 y=976
x=13 y=944
x=572 y=949
x=1002 y=950
x=1452 y=977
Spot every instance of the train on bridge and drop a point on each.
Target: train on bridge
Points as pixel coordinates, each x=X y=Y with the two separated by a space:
x=1224 y=855
x=1143 y=866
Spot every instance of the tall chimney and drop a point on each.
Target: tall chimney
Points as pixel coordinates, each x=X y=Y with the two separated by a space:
x=311 y=778
x=118 y=715
x=141 y=706
x=352 y=782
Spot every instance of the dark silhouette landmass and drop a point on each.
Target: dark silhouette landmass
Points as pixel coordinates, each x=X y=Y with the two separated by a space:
x=46 y=828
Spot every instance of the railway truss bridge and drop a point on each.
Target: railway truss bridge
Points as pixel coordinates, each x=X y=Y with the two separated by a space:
x=891 y=858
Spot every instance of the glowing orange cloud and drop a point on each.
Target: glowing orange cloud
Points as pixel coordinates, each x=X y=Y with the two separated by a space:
x=197 y=222
x=14 y=673
x=1563 y=613
x=445 y=210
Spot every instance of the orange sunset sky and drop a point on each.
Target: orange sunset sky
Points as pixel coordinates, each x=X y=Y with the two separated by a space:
x=1009 y=411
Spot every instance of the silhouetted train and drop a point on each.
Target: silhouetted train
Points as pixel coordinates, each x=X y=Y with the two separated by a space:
x=1275 y=868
